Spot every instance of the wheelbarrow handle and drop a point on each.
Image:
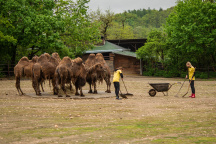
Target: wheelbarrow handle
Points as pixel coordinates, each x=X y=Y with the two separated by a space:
x=170 y=85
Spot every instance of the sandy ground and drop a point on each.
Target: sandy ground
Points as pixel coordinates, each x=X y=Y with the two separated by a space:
x=32 y=120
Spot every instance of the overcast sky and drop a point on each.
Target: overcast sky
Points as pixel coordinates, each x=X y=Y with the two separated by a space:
x=118 y=6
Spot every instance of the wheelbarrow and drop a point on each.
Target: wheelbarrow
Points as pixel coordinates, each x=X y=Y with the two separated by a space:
x=160 y=87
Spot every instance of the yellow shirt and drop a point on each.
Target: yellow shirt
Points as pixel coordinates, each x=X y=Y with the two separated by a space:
x=116 y=76
x=191 y=72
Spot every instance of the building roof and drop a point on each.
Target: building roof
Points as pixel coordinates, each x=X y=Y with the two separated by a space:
x=132 y=44
x=111 y=48
x=126 y=53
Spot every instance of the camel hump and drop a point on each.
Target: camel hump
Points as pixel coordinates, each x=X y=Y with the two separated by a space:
x=35 y=59
x=56 y=56
x=47 y=55
x=78 y=61
x=66 y=61
x=24 y=59
x=43 y=58
x=100 y=58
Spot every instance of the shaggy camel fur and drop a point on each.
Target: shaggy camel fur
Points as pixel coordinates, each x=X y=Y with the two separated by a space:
x=42 y=70
x=24 y=69
x=107 y=74
x=79 y=74
x=93 y=75
x=63 y=75
x=56 y=56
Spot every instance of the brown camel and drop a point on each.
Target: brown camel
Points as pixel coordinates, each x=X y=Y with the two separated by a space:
x=42 y=70
x=79 y=74
x=24 y=69
x=63 y=75
x=107 y=74
x=95 y=74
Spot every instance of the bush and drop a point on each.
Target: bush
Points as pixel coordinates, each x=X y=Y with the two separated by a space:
x=2 y=75
x=203 y=75
x=159 y=73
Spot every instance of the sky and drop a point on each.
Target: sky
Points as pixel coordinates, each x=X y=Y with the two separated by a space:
x=118 y=6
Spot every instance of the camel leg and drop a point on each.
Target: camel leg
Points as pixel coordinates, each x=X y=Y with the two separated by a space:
x=56 y=89
x=90 y=88
x=42 y=86
x=18 y=86
x=95 y=88
x=81 y=93
x=107 y=88
x=70 y=86
x=77 y=93
x=109 y=85
x=38 y=89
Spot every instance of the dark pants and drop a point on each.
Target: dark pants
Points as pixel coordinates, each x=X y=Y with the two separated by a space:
x=192 y=86
x=117 y=88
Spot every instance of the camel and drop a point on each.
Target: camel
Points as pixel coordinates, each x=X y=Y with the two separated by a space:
x=63 y=75
x=24 y=69
x=107 y=74
x=79 y=74
x=95 y=73
x=42 y=70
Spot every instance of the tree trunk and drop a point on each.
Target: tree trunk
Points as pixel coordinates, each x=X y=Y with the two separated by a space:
x=13 y=58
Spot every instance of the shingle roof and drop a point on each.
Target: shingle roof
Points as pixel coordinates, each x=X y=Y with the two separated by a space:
x=109 y=47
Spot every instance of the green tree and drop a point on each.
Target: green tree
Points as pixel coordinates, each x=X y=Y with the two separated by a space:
x=155 y=49
x=80 y=32
x=105 y=20
x=119 y=32
x=33 y=25
x=191 y=32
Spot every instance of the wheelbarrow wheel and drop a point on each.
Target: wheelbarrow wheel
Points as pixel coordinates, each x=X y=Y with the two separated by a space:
x=152 y=92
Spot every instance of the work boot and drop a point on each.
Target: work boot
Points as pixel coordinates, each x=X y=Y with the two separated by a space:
x=117 y=98
x=193 y=96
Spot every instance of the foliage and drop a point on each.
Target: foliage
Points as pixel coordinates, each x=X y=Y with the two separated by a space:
x=132 y=23
x=80 y=33
x=191 y=30
x=104 y=19
x=30 y=27
x=34 y=26
x=155 y=48
x=118 y=32
x=190 y=35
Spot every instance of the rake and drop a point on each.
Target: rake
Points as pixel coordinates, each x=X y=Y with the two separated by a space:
x=129 y=94
x=180 y=88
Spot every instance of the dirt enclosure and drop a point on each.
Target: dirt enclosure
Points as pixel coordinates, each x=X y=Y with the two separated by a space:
x=138 y=119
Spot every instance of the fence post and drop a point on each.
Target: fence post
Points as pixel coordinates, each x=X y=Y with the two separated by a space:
x=8 y=69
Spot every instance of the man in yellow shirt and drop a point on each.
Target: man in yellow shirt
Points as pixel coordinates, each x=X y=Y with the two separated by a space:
x=191 y=73
x=116 y=77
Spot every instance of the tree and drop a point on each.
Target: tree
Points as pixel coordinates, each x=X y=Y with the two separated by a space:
x=33 y=25
x=118 y=32
x=105 y=20
x=80 y=33
x=191 y=32
x=155 y=49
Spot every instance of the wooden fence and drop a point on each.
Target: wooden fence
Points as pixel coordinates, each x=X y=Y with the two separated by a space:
x=7 y=69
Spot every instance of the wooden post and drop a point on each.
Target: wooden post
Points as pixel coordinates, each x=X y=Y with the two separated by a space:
x=141 y=67
x=8 y=69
